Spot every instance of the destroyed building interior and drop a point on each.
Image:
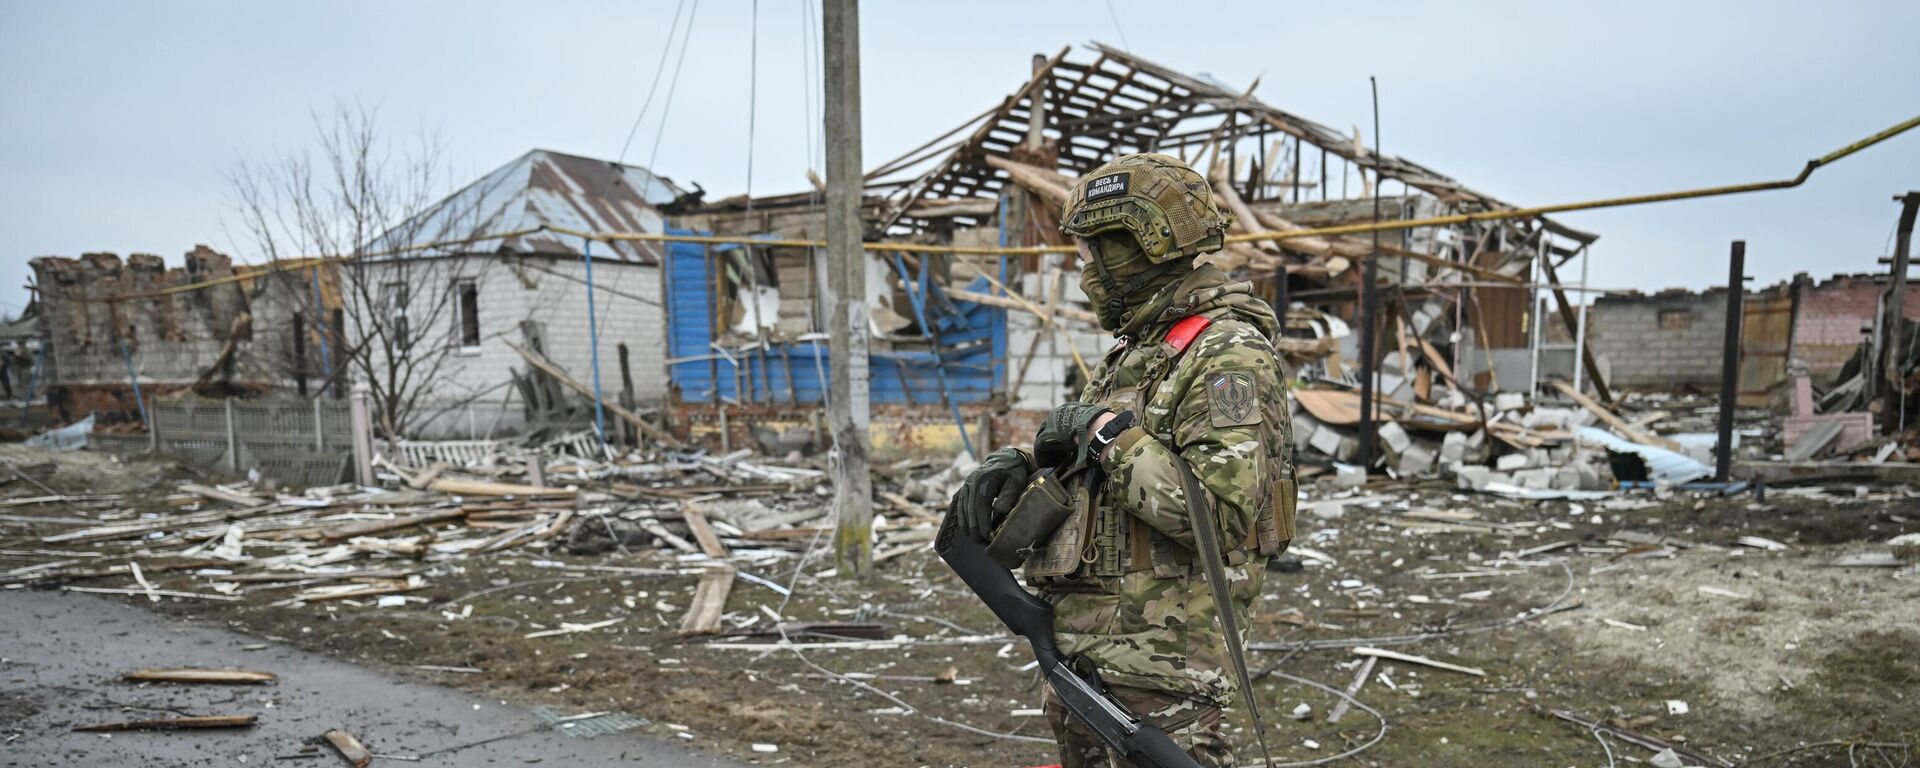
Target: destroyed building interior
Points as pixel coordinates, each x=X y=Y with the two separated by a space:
x=1537 y=526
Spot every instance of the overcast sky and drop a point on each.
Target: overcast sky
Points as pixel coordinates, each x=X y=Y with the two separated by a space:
x=121 y=119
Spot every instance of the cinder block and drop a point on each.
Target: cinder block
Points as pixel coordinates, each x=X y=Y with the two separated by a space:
x=1393 y=436
x=1415 y=461
x=1349 y=476
x=1566 y=478
x=1512 y=462
x=1508 y=401
x=1471 y=477
x=1453 y=448
x=1304 y=427
x=1325 y=440
x=1538 y=479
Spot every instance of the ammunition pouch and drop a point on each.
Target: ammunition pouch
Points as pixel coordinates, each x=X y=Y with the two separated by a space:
x=1043 y=507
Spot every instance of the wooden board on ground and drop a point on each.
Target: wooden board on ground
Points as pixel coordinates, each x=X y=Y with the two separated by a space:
x=240 y=676
x=709 y=602
x=173 y=723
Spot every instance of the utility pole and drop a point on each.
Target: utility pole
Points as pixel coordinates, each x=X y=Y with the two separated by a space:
x=847 y=414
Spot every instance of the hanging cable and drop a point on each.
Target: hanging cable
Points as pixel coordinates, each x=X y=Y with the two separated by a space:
x=1115 y=15
x=753 y=96
x=686 y=41
x=658 y=70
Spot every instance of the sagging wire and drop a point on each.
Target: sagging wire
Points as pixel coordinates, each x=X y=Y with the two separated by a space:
x=1555 y=606
x=812 y=546
x=1356 y=703
x=1599 y=737
x=658 y=70
x=686 y=41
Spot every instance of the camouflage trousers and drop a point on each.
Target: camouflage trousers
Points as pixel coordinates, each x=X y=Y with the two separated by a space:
x=1195 y=724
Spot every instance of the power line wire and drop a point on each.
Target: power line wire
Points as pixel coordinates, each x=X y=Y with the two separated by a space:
x=686 y=41
x=1115 y=15
x=658 y=70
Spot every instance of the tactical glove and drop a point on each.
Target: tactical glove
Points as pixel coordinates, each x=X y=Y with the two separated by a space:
x=991 y=490
x=1062 y=439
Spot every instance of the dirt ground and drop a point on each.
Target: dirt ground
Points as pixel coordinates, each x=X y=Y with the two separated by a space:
x=1776 y=657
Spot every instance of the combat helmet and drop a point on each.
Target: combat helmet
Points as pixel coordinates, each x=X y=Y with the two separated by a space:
x=1165 y=204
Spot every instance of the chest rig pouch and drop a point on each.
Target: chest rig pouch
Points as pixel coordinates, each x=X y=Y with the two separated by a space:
x=1099 y=543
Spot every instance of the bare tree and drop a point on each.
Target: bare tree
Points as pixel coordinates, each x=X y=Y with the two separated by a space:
x=381 y=216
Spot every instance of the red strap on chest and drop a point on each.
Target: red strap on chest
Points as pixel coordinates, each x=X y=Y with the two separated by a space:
x=1185 y=331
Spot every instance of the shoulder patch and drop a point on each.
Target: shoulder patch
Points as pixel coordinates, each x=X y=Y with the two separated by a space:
x=1231 y=401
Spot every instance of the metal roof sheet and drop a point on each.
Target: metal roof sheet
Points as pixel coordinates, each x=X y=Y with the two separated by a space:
x=546 y=188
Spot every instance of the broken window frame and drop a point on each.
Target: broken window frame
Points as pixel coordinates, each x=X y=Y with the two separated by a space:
x=466 y=295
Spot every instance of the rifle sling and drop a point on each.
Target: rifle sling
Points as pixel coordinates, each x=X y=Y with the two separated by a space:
x=1206 y=539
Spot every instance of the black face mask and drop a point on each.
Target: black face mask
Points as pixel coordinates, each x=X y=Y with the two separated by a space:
x=1120 y=277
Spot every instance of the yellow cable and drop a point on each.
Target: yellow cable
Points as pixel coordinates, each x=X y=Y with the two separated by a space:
x=1342 y=229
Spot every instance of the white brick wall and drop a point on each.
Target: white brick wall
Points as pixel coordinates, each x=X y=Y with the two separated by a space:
x=1044 y=387
x=553 y=293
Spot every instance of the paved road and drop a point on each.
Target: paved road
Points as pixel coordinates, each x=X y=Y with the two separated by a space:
x=61 y=656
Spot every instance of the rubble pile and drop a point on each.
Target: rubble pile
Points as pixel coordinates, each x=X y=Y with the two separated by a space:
x=376 y=545
x=1510 y=444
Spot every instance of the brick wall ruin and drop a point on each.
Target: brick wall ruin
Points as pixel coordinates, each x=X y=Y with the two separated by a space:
x=99 y=312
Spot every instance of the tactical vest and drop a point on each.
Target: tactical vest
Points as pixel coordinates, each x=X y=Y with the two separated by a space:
x=1101 y=541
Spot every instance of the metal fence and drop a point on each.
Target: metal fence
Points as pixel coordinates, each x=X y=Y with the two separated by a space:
x=294 y=441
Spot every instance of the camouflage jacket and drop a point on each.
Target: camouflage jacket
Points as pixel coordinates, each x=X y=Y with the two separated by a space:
x=1222 y=405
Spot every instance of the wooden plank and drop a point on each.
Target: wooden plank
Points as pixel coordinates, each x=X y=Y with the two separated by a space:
x=709 y=602
x=350 y=748
x=703 y=532
x=370 y=527
x=459 y=487
x=228 y=676
x=220 y=494
x=1421 y=660
x=173 y=724
x=538 y=361
x=1353 y=689
x=1620 y=425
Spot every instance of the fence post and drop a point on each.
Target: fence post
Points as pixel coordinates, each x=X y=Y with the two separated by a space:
x=153 y=425
x=233 y=438
x=319 y=429
x=362 y=434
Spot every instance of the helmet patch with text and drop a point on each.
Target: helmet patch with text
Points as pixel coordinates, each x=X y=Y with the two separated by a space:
x=1110 y=185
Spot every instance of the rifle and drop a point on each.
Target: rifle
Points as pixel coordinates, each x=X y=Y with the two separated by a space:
x=1032 y=618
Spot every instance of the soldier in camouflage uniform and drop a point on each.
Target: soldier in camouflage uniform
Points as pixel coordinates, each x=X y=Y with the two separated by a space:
x=1193 y=374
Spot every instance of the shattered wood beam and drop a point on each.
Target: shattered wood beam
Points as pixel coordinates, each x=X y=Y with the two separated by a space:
x=1008 y=302
x=1047 y=183
x=559 y=374
x=1625 y=429
x=1477 y=271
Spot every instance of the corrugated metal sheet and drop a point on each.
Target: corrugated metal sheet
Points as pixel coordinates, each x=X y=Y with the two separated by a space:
x=973 y=338
x=1663 y=466
x=546 y=188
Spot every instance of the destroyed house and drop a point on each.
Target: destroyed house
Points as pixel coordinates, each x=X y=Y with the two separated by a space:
x=485 y=271
x=1456 y=298
x=111 y=327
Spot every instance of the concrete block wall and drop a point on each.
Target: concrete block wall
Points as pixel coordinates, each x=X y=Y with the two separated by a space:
x=1643 y=355
x=1045 y=384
